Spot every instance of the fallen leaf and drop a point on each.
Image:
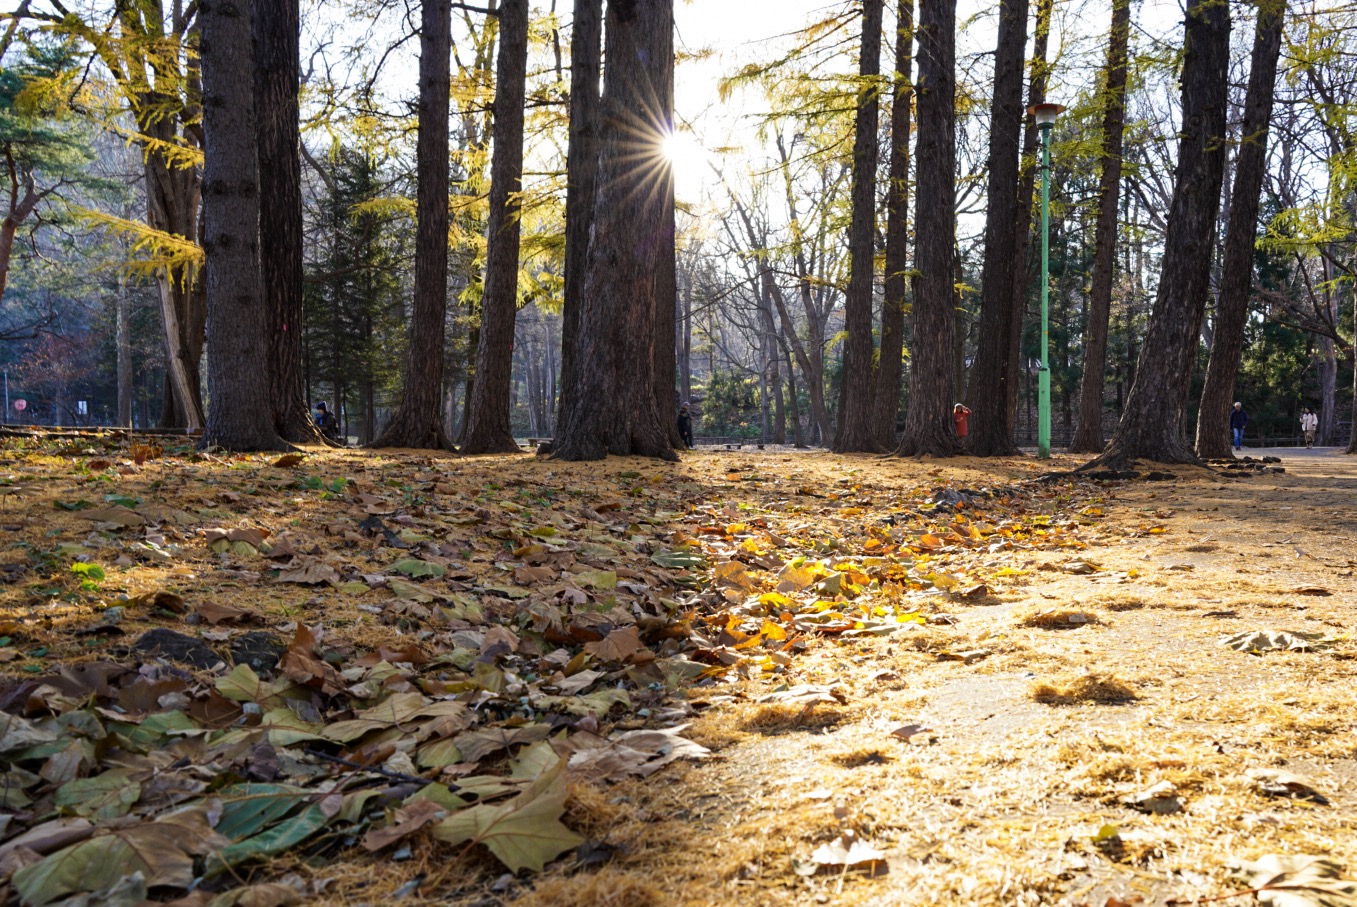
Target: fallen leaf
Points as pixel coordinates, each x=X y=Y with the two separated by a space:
x=406 y=821
x=523 y=833
x=1298 y=880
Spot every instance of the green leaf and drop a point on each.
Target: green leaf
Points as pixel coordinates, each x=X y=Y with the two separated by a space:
x=678 y=560
x=102 y=797
x=523 y=833
x=417 y=568
x=281 y=837
x=597 y=579
x=247 y=809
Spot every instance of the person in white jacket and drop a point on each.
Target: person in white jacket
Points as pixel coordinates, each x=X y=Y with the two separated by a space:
x=1309 y=423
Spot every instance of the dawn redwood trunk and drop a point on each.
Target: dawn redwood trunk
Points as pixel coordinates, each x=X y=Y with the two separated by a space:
x=989 y=390
x=855 y=430
x=239 y=417
x=1151 y=427
x=1027 y=211
x=419 y=420
x=1088 y=435
x=586 y=50
x=886 y=396
x=488 y=430
x=1236 y=278
x=661 y=67
x=609 y=405
x=277 y=77
x=928 y=420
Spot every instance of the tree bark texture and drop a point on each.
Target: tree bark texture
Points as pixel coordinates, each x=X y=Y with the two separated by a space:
x=886 y=397
x=609 y=405
x=419 y=420
x=277 y=78
x=239 y=417
x=855 y=430
x=928 y=420
x=990 y=390
x=488 y=430
x=586 y=51
x=1151 y=428
x=1236 y=279
x=1027 y=208
x=1088 y=435
x=661 y=60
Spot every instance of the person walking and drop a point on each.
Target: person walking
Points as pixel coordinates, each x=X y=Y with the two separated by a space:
x=960 y=416
x=685 y=426
x=1309 y=423
x=1239 y=420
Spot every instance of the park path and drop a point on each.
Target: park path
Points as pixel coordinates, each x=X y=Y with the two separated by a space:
x=991 y=796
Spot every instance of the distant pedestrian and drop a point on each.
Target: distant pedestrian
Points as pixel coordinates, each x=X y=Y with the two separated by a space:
x=326 y=421
x=1239 y=420
x=1309 y=423
x=960 y=415
x=685 y=426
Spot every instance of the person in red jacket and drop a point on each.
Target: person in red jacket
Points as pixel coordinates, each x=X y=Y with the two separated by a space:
x=959 y=415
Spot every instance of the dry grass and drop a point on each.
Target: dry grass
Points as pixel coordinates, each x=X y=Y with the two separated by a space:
x=1084 y=688
x=780 y=718
x=608 y=887
x=1057 y=618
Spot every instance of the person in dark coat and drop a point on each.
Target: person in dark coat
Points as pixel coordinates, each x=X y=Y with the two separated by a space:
x=326 y=421
x=1238 y=421
x=685 y=426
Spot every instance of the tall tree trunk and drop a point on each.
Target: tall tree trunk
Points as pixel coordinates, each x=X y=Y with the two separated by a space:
x=1088 y=436
x=855 y=432
x=489 y=431
x=1236 y=279
x=661 y=67
x=124 y=329
x=928 y=420
x=586 y=50
x=277 y=78
x=989 y=390
x=1328 y=389
x=1152 y=426
x=1022 y=275
x=886 y=396
x=237 y=323
x=419 y=420
x=609 y=407
x=793 y=405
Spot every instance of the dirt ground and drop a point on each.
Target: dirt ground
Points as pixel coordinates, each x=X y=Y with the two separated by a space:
x=1063 y=724
x=1005 y=799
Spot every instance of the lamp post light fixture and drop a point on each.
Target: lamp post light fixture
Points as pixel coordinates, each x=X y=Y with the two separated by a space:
x=1045 y=115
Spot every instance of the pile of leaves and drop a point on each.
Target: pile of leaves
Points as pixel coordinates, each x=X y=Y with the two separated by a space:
x=216 y=660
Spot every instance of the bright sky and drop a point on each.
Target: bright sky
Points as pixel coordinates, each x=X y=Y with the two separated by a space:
x=737 y=32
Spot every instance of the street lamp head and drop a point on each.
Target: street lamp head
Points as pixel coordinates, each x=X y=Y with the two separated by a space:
x=1046 y=113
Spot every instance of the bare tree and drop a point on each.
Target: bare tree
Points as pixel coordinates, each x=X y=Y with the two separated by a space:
x=1152 y=425
x=419 y=420
x=488 y=429
x=928 y=420
x=1236 y=278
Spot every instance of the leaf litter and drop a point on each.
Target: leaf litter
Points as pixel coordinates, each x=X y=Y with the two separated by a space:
x=465 y=654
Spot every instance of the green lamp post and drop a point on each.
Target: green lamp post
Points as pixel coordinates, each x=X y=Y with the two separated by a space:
x=1045 y=115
